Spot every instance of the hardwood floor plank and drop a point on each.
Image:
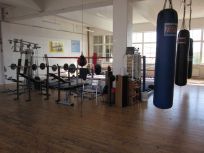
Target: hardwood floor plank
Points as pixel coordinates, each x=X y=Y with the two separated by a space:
x=42 y=126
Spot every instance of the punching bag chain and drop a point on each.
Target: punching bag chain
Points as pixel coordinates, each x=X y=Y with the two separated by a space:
x=190 y=5
x=170 y=4
x=164 y=4
x=184 y=15
x=82 y=25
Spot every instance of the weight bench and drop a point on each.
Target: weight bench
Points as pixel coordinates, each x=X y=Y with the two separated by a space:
x=68 y=87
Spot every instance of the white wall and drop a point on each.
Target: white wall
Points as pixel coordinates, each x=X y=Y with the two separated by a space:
x=140 y=27
x=42 y=37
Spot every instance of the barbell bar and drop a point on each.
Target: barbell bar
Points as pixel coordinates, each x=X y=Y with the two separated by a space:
x=70 y=68
x=34 y=67
x=42 y=66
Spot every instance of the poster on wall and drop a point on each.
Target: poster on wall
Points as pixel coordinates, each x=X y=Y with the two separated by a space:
x=75 y=46
x=56 y=47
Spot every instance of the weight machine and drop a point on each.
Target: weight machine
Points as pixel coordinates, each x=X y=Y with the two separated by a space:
x=27 y=49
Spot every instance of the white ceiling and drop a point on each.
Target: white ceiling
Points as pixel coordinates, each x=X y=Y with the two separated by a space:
x=96 y=13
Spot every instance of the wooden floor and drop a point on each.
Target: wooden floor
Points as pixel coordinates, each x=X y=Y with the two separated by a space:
x=44 y=127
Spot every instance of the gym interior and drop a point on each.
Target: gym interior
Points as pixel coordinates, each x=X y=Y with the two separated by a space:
x=102 y=76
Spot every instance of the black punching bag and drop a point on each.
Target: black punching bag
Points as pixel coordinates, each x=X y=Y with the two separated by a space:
x=190 y=59
x=82 y=60
x=182 y=57
x=167 y=21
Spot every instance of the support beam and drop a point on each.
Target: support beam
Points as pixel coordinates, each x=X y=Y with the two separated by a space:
x=40 y=4
x=88 y=19
x=31 y=4
x=122 y=34
x=59 y=11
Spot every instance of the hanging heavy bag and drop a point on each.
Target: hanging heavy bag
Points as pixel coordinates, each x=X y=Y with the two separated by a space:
x=190 y=59
x=182 y=53
x=182 y=58
x=82 y=60
x=94 y=58
x=167 y=21
x=83 y=73
x=98 y=69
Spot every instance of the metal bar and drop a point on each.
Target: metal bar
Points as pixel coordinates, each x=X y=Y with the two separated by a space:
x=144 y=73
x=59 y=92
x=78 y=57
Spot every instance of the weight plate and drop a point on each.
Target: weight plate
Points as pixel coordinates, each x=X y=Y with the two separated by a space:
x=54 y=68
x=34 y=67
x=13 y=66
x=42 y=66
x=72 y=68
x=66 y=66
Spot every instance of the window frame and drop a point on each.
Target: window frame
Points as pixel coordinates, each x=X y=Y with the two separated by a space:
x=201 y=59
x=104 y=45
x=141 y=50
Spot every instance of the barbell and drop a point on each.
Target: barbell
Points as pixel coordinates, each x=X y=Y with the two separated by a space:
x=66 y=67
x=70 y=68
x=34 y=67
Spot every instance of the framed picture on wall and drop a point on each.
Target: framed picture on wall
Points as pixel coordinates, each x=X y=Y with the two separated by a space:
x=75 y=46
x=56 y=46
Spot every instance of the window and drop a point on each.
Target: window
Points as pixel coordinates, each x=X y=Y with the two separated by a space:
x=98 y=49
x=149 y=36
x=196 y=35
x=98 y=45
x=98 y=39
x=137 y=37
x=103 y=46
x=150 y=52
x=202 y=53
x=109 y=39
x=196 y=52
x=109 y=49
x=146 y=42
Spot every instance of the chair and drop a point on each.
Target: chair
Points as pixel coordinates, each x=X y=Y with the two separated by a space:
x=93 y=89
